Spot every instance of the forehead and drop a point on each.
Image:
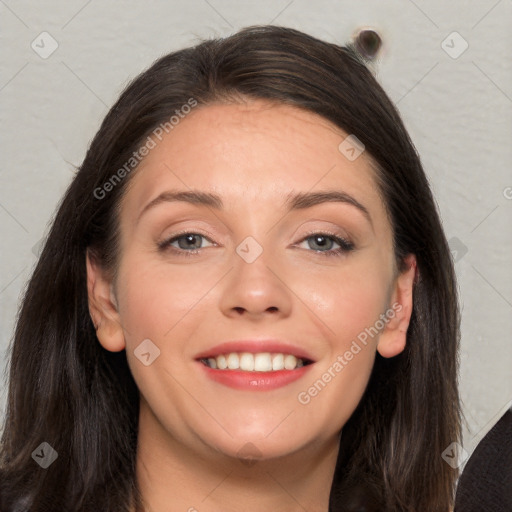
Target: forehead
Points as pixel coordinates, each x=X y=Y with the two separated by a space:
x=252 y=153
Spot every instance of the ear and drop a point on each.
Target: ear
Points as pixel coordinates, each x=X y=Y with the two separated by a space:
x=103 y=307
x=394 y=335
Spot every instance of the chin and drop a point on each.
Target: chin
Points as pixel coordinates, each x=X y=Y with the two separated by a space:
x=250 y=446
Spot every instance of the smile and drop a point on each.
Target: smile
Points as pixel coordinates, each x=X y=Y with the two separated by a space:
x=258 y=362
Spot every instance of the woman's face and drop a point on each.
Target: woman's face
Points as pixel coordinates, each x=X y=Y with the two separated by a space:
x=253 y=273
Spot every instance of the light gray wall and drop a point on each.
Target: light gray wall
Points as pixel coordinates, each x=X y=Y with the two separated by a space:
x=458 y=109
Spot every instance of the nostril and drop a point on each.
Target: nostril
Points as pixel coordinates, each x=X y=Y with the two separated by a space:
x=368 y=43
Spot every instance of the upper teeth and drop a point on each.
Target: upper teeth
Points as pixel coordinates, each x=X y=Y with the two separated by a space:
x=260 y=362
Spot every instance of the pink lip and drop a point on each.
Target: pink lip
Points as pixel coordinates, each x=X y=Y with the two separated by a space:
x=255 y=381
x=255 y=346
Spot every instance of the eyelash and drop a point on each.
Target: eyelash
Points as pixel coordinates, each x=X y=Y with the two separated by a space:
x=345 y=245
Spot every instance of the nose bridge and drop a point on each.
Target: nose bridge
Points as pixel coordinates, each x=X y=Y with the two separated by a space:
x=254 y=262
x=255 y=284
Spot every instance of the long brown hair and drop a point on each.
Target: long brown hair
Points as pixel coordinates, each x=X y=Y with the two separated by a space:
x=66 y=390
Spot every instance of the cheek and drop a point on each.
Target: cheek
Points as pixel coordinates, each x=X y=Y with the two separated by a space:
x=164 y=304
x=155 y=297
x=349 y=304
x=348 y=299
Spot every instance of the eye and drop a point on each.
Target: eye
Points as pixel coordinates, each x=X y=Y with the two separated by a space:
x=188 y=243
x=322 y=241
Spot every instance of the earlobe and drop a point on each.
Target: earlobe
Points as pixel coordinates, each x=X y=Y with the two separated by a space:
x=393 y=338
x=103 y=307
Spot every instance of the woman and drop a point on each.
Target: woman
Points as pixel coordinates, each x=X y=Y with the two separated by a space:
x=246 y=300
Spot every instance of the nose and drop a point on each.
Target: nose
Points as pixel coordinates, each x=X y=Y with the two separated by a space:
x=256 y=288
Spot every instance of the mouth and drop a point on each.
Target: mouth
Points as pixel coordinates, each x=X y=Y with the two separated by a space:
x=255 y=362
x=255 y=365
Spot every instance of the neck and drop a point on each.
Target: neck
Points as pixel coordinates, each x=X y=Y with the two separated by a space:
x=174 y=477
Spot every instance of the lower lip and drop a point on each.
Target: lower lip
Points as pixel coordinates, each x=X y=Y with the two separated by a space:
x=255 y=381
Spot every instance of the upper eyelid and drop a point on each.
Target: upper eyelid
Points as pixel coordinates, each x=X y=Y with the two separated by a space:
x=179 y=234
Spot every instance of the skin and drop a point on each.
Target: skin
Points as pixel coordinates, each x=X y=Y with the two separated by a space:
x=190 y=428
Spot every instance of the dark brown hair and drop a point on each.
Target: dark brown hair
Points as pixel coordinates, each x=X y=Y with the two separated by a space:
x=66 y=390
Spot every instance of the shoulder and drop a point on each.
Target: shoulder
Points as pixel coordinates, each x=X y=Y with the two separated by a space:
x=486 y=481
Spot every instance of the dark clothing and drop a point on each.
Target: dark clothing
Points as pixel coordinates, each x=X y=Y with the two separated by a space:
x=486 y=481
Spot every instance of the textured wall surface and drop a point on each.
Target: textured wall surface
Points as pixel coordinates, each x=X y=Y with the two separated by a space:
x=445 y=64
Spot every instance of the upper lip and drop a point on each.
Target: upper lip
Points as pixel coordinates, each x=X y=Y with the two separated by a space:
x=256 y=346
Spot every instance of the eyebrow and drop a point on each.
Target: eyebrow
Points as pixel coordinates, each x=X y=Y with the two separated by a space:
x=299 y=201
